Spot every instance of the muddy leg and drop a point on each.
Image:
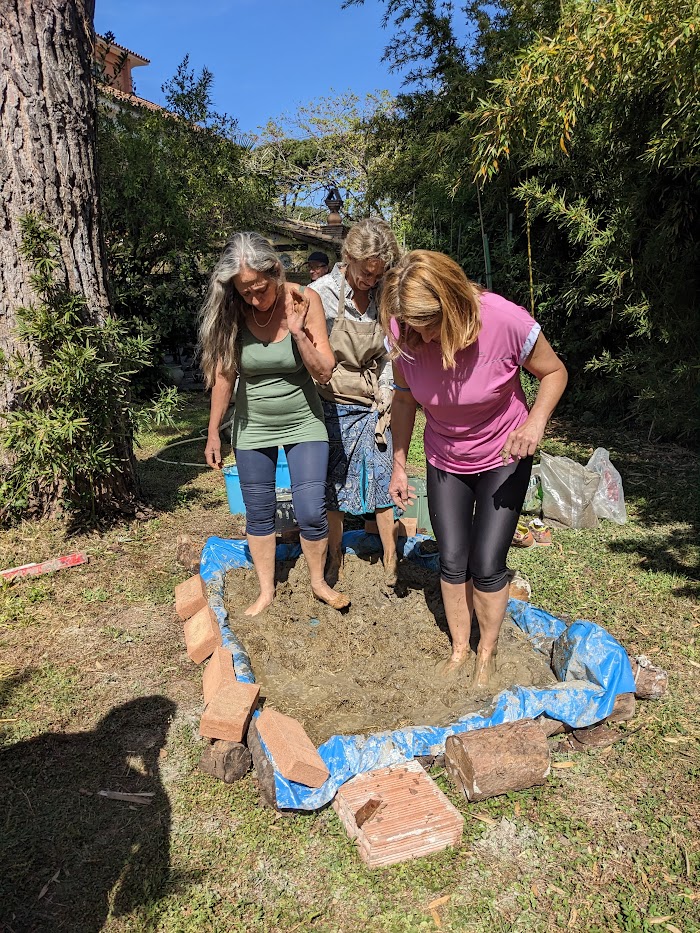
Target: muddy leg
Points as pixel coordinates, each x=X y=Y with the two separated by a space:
x=335 y=552
x=315 y=554
x=388 y=532
x=262 y=550
x=490 y=612
x=457 y=599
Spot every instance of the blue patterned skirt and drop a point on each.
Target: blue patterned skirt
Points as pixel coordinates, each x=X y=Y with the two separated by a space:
x=358 y=470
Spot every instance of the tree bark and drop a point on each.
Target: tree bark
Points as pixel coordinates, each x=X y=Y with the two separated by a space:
x=48 y=167
x=498 y=759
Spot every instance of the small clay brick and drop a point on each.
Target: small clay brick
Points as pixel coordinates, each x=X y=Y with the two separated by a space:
x=293 y=752
x=228 y=713
x=190 y=597
x=202 y=635
x=218 y=671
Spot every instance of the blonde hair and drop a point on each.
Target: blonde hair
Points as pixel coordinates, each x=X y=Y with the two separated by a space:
x=222 y=312
x=371 y=238
x=426 y=289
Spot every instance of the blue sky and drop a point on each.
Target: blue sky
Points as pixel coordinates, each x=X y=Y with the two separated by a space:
x=267 y=56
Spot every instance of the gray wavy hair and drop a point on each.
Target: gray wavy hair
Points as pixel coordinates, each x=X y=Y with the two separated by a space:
x=221 y=314
x=371 y=238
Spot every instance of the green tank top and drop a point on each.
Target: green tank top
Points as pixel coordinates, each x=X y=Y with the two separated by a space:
x=276 y=400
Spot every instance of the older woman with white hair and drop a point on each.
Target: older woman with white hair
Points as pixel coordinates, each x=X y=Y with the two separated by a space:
x=357 y=398
x=258 y=329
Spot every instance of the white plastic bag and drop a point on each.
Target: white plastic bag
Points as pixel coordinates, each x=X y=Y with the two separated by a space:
x=609 y=499
x=568 y=489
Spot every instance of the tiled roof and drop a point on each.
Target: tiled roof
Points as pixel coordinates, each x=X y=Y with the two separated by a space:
x=130 y=98
x=115 y=45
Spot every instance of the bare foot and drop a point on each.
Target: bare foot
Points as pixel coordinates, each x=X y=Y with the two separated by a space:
x=262 y=602
x=452 y=665
x=330 y=597
x=485 y=668
x=391 y=570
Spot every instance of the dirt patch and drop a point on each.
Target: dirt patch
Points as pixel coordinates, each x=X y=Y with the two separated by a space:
x=371 y=668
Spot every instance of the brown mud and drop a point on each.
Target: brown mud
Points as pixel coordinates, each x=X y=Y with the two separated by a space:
x=373 y=667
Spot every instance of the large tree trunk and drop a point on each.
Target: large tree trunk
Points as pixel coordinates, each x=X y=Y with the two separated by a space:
x=48 y=163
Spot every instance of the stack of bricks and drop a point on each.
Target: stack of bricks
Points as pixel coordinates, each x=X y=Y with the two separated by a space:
x=397 y=813
x=228 y=703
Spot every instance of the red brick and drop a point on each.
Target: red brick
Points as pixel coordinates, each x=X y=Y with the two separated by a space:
x=409 y=816
x=218 y=671
x=190 y=597
x=227 y=714
x=293 y=752
x=407 y=527
x=202 y=635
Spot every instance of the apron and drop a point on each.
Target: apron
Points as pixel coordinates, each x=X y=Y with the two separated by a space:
x=359 y=349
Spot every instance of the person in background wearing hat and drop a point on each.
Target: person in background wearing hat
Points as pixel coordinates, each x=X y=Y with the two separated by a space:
x=318 y=265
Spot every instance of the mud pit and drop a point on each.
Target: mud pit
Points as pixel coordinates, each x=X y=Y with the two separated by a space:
x=371 y=668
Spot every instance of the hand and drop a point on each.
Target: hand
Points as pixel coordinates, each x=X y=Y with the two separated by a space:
x=523 y=442
x=399 y=490
x=296 y=308
x=212 y=452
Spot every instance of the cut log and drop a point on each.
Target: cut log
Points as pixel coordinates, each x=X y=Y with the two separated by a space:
x=263 y=768
x=650 y=682
x=227 y=761
x=550 y=726
x=497 y=760
x=624 y=708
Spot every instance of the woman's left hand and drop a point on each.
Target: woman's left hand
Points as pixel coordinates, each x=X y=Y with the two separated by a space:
x=296 y=308
x=523 y=442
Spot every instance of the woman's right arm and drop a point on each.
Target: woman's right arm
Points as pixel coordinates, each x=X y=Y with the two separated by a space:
x=403 y=417
x=221 y=393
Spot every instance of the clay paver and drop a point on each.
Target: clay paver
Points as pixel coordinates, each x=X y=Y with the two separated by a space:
x=202 y=635
x=416 y=818
x=228 y=713
x=293 y=752
x=219 y=671
x=190 y=597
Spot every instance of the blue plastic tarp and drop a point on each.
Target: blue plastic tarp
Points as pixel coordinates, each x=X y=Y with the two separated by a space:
x=591 y=666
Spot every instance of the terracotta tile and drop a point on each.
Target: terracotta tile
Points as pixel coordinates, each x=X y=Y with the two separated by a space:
x=228 y=713
x=219 y=671
x=202 y=635
x=409 y=816
x=293 y=752
x=190 y=597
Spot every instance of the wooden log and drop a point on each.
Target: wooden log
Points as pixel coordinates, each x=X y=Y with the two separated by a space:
x=550 y=726
x=227 y=761
x=650 y=682
x=264 y=771
x=624 y=708
x=497 y=760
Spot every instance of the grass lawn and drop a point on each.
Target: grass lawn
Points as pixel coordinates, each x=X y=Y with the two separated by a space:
x=97 y=693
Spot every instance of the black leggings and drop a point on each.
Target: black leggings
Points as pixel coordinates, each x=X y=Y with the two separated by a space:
x=474 y=516
x=308 y=464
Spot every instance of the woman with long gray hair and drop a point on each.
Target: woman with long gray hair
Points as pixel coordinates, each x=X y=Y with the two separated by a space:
x=258 y=329
x=357 y=398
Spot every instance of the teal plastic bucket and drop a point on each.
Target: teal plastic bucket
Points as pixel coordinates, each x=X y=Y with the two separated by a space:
x=419 y=509
x=233 y=490
x=233 y=483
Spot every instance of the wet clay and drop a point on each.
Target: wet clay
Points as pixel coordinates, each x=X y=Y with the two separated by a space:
x=373 y=667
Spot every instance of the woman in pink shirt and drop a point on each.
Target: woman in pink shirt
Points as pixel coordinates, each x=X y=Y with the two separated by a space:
x=457 y=353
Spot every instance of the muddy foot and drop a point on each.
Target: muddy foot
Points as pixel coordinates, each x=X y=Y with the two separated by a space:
x=484 y=669
x=330 y=597
x=334 y=568
x=391 y=571
x=453 y=665
x=262 y=602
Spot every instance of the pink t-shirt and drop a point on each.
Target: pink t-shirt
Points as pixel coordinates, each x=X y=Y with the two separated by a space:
x=470 y=410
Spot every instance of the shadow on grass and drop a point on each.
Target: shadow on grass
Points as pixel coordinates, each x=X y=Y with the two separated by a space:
x=70 y=857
